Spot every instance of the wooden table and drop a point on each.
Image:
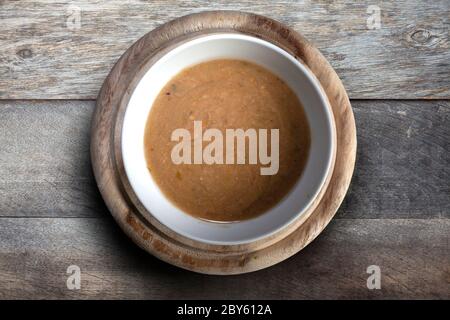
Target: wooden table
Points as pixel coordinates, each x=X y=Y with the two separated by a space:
x=53 y=60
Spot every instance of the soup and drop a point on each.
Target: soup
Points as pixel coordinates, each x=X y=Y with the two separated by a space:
x=226 y=140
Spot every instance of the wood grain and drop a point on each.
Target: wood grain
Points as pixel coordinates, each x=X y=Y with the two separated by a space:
x=44 y=159
x=402 y=168
x=403 y=161
x=43 y=57
x=413 y=256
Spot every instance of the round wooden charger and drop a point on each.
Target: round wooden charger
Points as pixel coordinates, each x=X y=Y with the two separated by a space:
x=138 y=223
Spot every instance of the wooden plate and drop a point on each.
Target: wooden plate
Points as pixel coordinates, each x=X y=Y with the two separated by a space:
x=139 y=224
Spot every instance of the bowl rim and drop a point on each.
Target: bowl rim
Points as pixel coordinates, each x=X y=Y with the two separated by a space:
x=325 y=178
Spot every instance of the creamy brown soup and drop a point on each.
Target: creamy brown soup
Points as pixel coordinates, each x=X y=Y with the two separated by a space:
x=226 y=94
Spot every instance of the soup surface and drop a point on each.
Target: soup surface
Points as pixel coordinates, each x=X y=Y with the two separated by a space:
x=226 y=94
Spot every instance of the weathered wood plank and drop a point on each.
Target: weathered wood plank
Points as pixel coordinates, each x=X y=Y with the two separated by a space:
x=413 y=256
x=402 y=170
x=44 y=160
x=403 y=160
x=44 y=55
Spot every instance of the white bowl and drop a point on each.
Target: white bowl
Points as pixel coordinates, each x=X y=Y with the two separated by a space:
x=281 y=63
